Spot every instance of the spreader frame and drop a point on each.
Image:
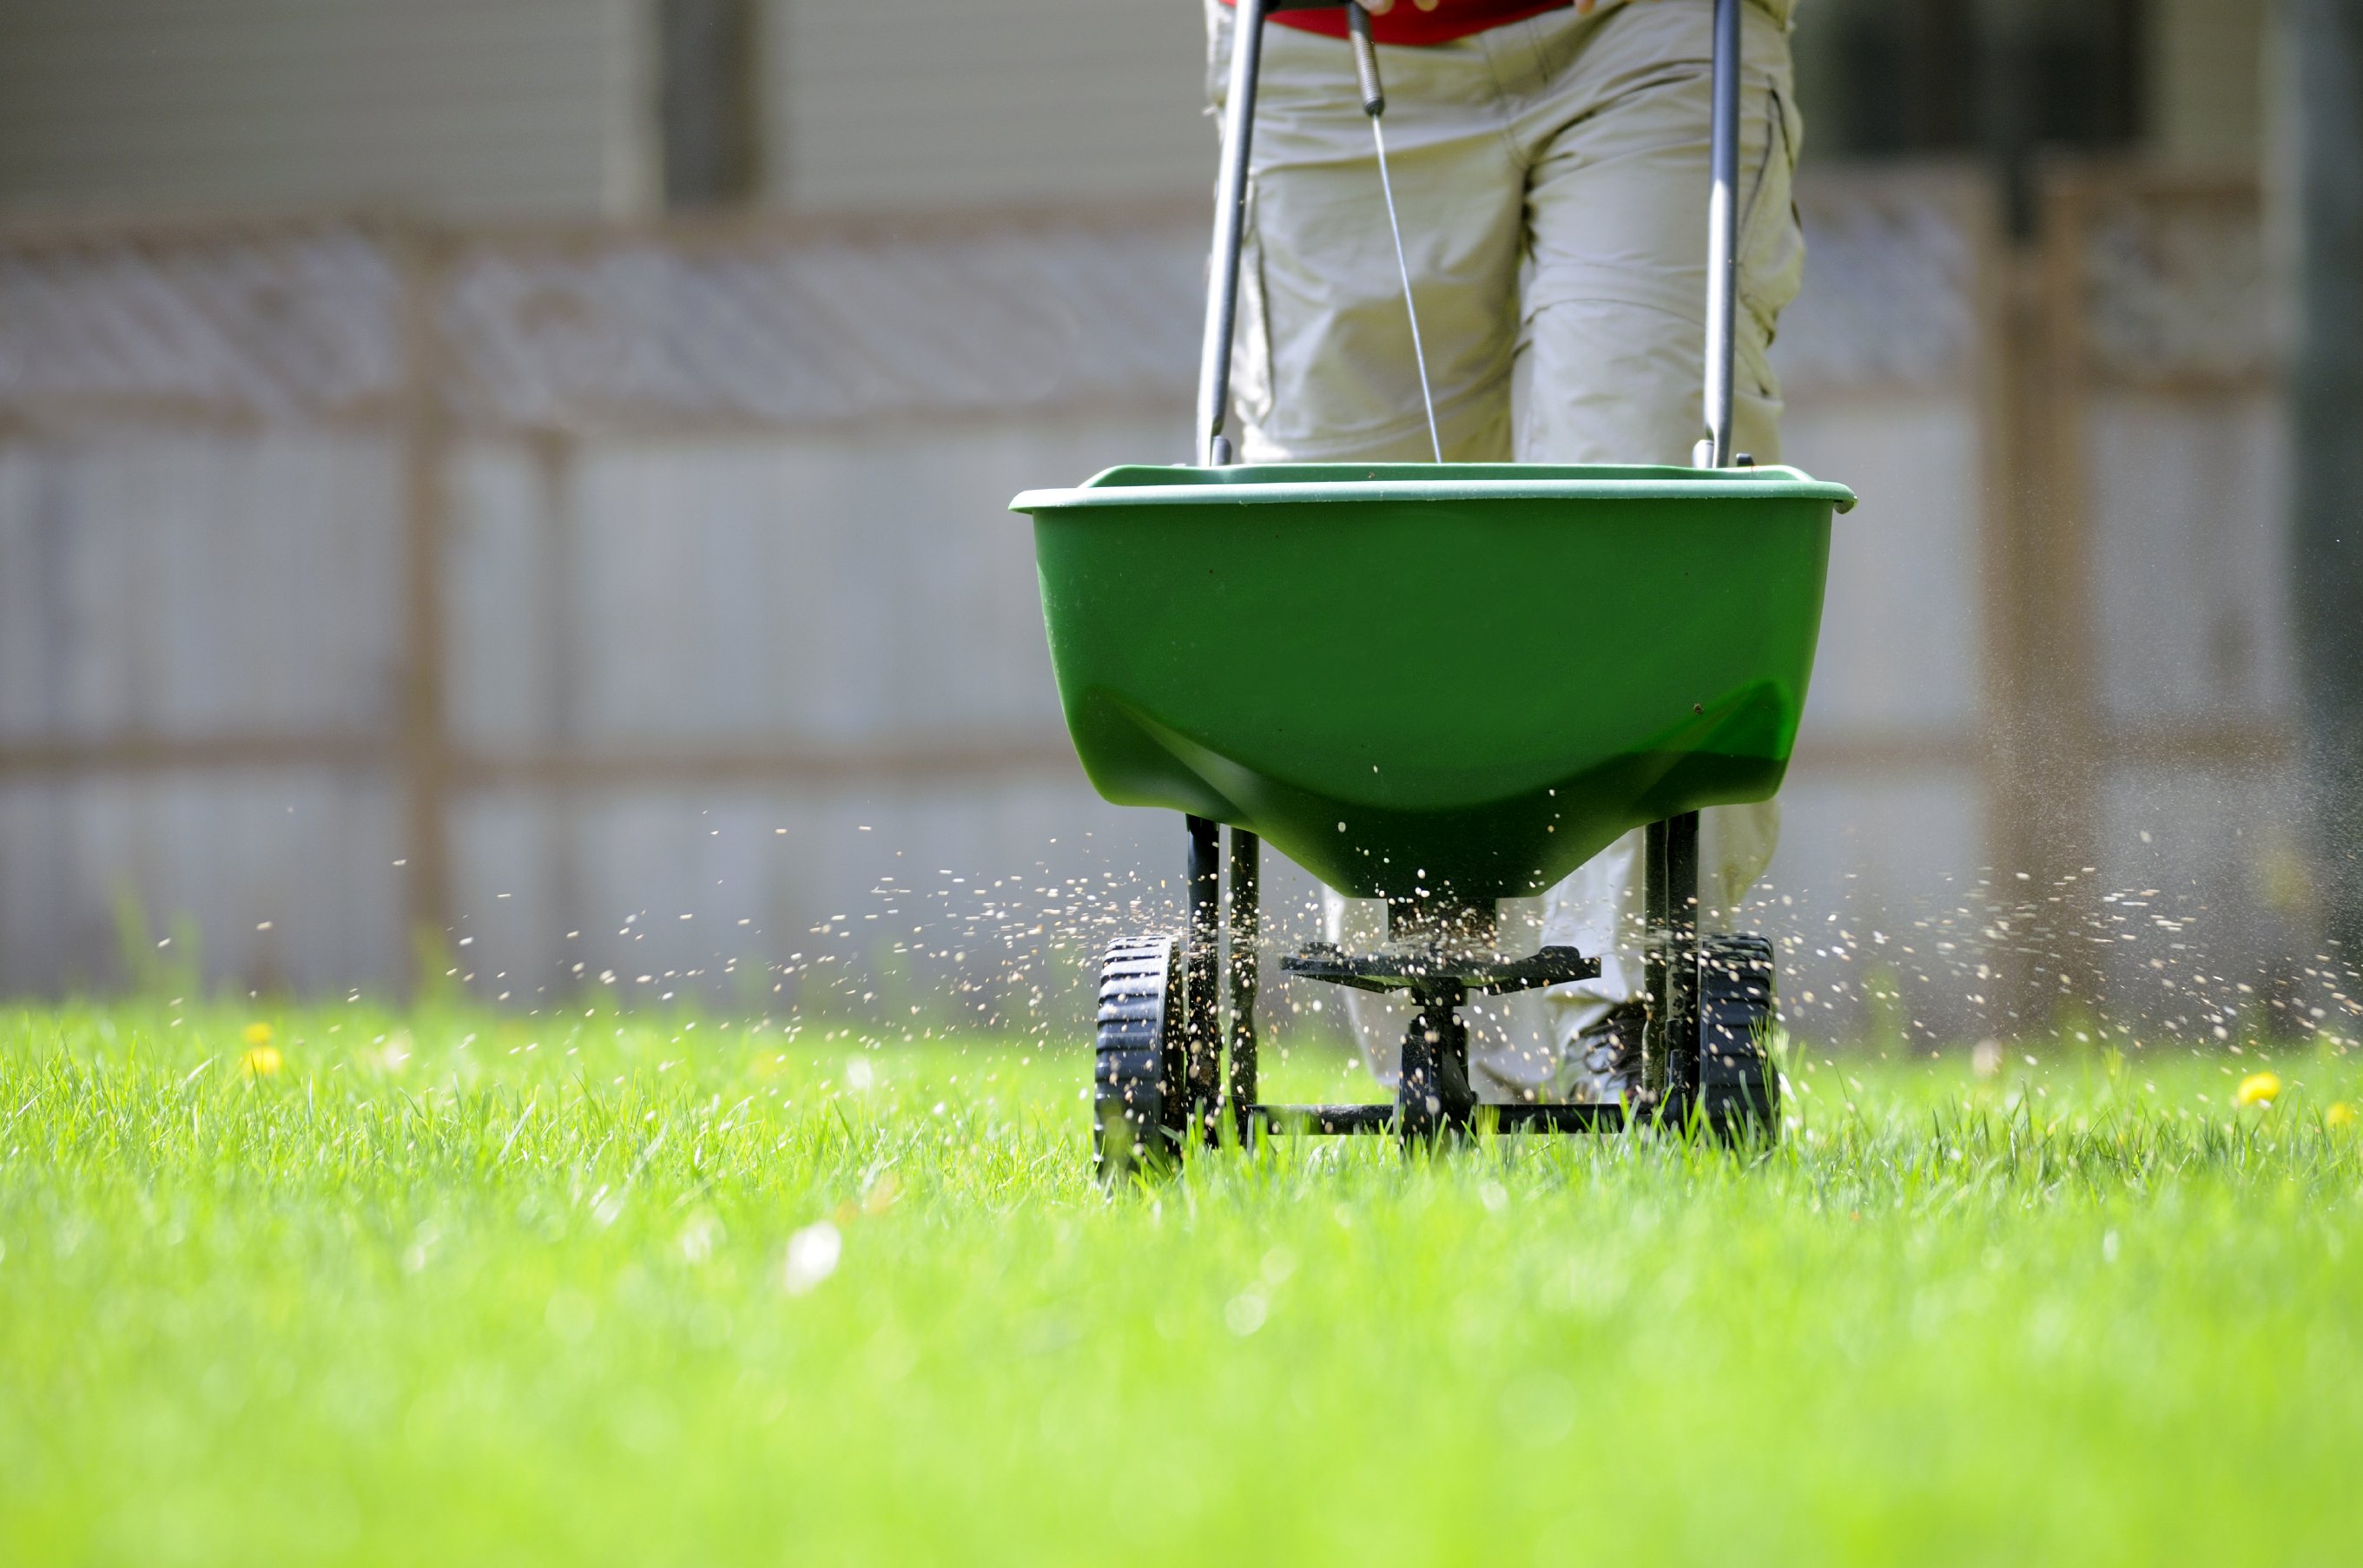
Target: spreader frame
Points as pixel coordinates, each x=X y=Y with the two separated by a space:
x=1431 y=1097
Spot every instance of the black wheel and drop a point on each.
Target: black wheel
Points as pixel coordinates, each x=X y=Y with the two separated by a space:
x=1739 y=1087
x=1139 y=1108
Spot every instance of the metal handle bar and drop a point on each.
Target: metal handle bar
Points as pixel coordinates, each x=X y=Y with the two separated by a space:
x=1214 y=447
x=1230 y=222
x=1723 y=237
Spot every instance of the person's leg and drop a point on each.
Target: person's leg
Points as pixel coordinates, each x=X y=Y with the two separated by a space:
x=1322 y=368
x=1609 y=360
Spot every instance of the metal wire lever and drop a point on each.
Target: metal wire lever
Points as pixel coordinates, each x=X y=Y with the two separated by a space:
x=1374 y=103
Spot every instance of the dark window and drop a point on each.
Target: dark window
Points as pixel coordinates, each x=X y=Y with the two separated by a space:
x=708 y=117
x=2005 y=78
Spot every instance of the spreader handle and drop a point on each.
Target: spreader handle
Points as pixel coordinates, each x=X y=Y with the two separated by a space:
x=1213 y=449
x=1723 y=237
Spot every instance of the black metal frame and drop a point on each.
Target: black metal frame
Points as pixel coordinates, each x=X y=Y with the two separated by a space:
x=1432 y=1093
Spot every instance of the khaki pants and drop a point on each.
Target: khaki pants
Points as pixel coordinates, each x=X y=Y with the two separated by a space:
x=1551 y=178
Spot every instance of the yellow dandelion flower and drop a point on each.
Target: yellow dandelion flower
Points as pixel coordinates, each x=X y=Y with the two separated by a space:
x=2257 y=1089
x=2339 y=1115
x=259 y=1061
x=258 y=1033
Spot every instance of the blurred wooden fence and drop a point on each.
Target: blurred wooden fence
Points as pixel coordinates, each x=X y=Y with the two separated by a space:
x=2137 y=664
x=473 y=549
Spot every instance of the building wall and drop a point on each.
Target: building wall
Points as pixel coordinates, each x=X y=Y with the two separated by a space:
x=876 y=103
x=548 y=106
x=544 y=106
x=460 y=106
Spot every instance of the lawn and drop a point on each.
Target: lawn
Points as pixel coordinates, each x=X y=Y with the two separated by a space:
x=453 y=1286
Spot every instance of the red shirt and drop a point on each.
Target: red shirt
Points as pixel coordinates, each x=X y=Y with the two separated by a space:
x=1407 y=24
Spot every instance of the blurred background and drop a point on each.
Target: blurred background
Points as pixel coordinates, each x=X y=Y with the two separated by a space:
x=515 y=487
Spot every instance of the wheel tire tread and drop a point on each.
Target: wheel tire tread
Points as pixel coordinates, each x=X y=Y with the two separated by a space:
x=1739 y=1087
x=1137 y=1060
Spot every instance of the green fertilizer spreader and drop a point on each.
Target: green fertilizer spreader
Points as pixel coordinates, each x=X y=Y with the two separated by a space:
x=1380 y=669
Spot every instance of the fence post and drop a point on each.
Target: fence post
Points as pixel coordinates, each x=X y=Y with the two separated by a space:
x=2042 y=680
x=427 y=428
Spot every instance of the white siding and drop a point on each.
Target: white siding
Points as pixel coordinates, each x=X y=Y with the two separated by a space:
x=920 y=103
x=426 y=105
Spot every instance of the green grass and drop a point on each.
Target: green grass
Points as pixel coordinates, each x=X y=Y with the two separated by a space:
x=453 y=1287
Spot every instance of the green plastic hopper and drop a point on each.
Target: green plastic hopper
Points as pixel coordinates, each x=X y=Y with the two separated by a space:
x=1425 y=679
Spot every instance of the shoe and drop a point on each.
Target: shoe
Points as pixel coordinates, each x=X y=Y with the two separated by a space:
x=1607 y=1056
